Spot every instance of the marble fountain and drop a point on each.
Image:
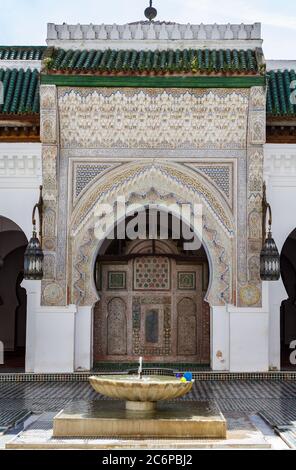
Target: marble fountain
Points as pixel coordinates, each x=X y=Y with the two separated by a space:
x=141 y=407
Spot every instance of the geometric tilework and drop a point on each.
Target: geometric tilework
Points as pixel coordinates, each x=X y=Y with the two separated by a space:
x=200 y=374
x=220 y=175
x=85 y=173
x=116 y=280
x=288 y=434
x=152 y=273
x=274 y=400
x=9 y=418
x=187 y=280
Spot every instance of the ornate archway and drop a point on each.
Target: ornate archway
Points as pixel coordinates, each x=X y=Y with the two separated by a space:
x=140 y=183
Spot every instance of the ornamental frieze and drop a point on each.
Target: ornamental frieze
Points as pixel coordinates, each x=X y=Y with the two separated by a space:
x=152 y=118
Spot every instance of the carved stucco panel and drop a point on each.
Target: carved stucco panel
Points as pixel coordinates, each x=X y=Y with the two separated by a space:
x=153 y=118
x=258 y=98
x=257 y=127
x=250 y=292
x=48 y=114
x=168 y=177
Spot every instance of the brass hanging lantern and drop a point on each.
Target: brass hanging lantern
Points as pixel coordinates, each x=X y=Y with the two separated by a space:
x=33 y=258
x=269 y=258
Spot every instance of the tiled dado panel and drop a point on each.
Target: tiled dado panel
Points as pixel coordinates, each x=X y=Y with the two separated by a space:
x=198 y=376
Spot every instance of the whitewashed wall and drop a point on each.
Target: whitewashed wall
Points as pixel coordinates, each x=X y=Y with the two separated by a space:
x=20 y=178
x=50 y=334
x=239 y=337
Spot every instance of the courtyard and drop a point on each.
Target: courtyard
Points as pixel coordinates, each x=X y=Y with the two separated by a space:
x=147 y=253
x=261 y=414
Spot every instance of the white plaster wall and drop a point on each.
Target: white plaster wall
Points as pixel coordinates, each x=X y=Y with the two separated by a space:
x=280 y=175
x=33 y=289
x=240 y=339
x=20 y=178
x=249 y=350
x=50 y=334
x=59 y=339
x=83 y=338
x=220 y=339
x=54 y=342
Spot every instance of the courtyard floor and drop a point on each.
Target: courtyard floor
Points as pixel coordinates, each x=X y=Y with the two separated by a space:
x=259 y=413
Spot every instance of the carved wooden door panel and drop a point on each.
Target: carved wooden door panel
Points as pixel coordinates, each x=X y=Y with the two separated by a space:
x=112 y=317
x=191 y=323
x=116 y=327
x=187 y=313
x=187 y=327
x=151 y=325
x=152 y=307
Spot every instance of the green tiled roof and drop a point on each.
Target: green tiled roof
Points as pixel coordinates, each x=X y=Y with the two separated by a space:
x=21 y=91
x=279 y=94
x=131 y=62
x=22 y=52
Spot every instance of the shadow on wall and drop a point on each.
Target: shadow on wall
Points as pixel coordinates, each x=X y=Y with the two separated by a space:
x=288 y=308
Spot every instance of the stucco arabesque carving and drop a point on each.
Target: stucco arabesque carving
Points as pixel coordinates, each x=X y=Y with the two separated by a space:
x=153 y=118
x=53 y=291
x=250 y=294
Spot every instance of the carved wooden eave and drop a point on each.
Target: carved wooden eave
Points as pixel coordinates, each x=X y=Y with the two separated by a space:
x=19 y=128
x=281 y=130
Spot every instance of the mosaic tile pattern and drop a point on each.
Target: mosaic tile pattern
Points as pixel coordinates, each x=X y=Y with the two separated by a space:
x=200 y=373
x=187 y=281
x=220 y=175
x=288 y=434
x=116 y=280
x=11 y=417
x=152 y=273
x=85 y=173
x=274 y=401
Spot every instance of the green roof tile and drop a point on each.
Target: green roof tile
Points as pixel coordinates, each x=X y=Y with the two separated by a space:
x=279 y=94
x=156 y=62
x=21 y=91
x=22 y=52
x=21 y=88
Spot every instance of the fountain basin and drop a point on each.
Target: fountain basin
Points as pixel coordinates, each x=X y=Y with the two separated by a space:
x=140 y=394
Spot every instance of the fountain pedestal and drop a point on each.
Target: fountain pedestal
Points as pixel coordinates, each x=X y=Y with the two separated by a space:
x=141 y=411
x=141 y=406
x=111 y=419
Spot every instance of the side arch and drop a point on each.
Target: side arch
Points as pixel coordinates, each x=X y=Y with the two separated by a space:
x=13 y=298
x=288 y=306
